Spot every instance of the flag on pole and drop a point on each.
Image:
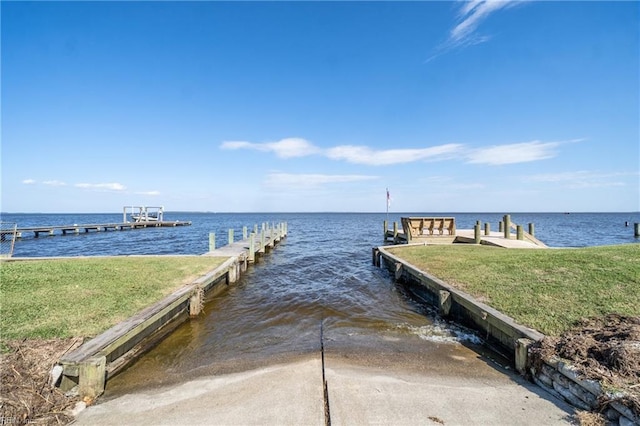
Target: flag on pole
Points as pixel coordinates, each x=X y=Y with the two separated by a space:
x=388 y=199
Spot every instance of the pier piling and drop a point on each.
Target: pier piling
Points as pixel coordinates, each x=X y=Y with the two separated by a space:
x=507 y=226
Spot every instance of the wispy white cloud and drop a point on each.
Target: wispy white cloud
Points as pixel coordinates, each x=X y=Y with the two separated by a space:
x=368 y=156
x=29 y=181
x=513 y=153
x=151 y=193
x=54 y=183
x=278 y=179
x=296 y=147
x=284 y=148
x=102 y=186
x=470 y=15
x=494 y=155
x=583 y=179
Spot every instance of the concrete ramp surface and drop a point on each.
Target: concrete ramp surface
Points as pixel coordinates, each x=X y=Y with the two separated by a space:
x=361 y=391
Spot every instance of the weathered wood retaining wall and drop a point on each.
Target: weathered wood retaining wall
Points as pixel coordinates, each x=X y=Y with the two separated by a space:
x=556 y=376
x=495 y=327
x=87 y=368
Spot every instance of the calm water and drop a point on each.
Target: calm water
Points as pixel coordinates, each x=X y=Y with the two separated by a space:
x=318 y=230
x=319 y=276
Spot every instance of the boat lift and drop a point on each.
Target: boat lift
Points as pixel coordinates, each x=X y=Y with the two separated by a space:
x=143 y=214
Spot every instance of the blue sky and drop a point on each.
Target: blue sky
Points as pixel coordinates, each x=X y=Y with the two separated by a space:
x=475 y=106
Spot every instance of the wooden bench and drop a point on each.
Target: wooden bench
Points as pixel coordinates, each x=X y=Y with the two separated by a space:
x=416 y=228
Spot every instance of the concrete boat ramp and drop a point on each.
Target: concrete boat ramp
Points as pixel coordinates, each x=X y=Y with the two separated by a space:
x=340 y=388
x=346 y=382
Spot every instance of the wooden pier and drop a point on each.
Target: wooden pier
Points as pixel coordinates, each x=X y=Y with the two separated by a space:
x=88 y=367
x=86 y=228
x=258 y=242
x=441 y=230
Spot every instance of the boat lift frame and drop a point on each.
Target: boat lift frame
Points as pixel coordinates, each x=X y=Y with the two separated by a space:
x=143 y=214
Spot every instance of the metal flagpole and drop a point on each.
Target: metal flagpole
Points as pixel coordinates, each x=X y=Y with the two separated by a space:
x=388 y=202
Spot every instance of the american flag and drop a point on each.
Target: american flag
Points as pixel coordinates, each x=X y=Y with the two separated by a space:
x=388 y=199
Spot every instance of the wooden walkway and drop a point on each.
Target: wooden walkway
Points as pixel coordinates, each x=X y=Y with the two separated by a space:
x=497 y=239
x=467 y=236
x=255 y=244
x=86 y=228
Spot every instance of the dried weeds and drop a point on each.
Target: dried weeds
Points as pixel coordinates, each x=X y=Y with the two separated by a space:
x=26 y=396
x=606 y=349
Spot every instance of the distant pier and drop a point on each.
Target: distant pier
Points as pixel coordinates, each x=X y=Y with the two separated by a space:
x=141 y=217
x=86 y=228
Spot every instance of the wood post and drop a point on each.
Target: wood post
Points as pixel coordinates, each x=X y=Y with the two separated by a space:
x=196 y=301
x=507 y=226
x=487 y=228
x=212 y=241
x=244 y=232
x=522 y=354
x=444 y=303
x=501 y=226
x=532 y=229
x=636 y=229
x=395 y=231
x=384 y=225
x=398 y=273
x=232 y=274
x=519 y=232
x=92 y=375
x=476 y=233
x=252 y=247
x=230 y=236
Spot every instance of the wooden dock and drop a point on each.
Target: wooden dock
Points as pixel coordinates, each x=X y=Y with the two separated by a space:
x=88 y=367
x=251 y=245
x=86 y=228
x=496 y=239
x=422 y=231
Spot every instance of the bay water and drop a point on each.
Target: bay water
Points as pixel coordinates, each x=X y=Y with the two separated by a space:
x=318 y=283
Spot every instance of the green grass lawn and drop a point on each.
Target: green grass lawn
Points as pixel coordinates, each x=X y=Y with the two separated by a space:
x=547 y=290
x=86 y=296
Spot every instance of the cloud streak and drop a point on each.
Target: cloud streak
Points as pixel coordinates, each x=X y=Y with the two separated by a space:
x=365 y=155
x=102 y=186
x=495 y=155
x=583 y=179
x=54 y=183
x=470 y=15
x=285 y=148
x=513 y=153
x=297 y=147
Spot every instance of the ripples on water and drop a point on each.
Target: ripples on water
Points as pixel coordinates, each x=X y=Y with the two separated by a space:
x=319 y=276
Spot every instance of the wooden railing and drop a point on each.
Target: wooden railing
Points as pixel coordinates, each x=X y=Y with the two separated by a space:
x=420 y=227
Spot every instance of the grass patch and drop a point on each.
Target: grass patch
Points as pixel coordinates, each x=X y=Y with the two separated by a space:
x=548 y=290
x=86 y=296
